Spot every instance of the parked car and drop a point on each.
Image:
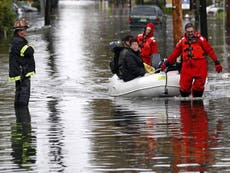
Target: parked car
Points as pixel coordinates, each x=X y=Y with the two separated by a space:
x=140 y=15
x=27 y=7
x=17 y=10
x=214 y=9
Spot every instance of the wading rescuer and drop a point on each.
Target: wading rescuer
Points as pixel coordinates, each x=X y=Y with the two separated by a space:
x=21 y=63
x=192 y=47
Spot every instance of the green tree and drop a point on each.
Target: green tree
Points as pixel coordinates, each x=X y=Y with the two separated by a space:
x=6 y=16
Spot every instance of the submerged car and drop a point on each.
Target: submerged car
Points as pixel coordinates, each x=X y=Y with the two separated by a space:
x=214 y=9
x=27 y=7
x=140 y=15
x=17 y=10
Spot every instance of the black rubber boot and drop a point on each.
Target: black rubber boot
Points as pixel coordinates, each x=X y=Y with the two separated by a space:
x=184 y=94
x=196 y=93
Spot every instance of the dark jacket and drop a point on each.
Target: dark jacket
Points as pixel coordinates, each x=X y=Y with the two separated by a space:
x=121 y=60
x=132 y=66
x=21 y=59
x=117 y=61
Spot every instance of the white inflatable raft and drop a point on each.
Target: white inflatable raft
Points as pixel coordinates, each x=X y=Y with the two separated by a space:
x=150 y=85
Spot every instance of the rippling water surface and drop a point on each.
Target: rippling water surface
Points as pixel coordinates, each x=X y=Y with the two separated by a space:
x=77 y=127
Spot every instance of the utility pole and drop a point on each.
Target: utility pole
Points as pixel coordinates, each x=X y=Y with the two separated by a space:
x=203 y=19
x=47 y=12
x=228 y=16
x=195 y=7
x=177 y=20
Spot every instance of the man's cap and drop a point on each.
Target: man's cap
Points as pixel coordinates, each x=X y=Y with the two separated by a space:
x=188 y=25
x=126 y=37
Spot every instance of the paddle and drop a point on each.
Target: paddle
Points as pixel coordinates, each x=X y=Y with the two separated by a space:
x=157 y=70
x=149 y=68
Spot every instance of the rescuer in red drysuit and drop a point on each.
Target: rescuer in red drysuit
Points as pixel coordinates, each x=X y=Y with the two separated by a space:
x=192 y=48
x=147 y=43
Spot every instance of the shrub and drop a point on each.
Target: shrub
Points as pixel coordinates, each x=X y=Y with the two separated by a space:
x=6 y=16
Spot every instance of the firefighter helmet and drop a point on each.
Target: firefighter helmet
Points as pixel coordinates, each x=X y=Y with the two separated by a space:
x=20 y=24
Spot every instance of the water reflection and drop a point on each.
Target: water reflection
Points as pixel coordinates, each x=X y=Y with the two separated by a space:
x=153 y=135
x=125 y=119
x=134 y=137
x=56 y=137
x=51 y=62
x=23 y=140
x=191 y=148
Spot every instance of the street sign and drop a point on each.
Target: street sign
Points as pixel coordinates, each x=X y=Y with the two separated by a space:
x=185 y=4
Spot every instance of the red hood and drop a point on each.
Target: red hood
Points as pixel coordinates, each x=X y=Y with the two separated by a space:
x=151 y=25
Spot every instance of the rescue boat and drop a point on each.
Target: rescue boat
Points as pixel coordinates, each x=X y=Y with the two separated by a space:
x=151 y=85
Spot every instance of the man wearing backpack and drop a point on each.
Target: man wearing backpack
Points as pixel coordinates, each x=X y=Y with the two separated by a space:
x=119 y=55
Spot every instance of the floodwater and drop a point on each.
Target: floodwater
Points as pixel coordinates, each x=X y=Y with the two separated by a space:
x=77 y=127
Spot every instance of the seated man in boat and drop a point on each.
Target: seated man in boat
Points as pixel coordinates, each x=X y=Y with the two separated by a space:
x=119 y=54
x=132 y=65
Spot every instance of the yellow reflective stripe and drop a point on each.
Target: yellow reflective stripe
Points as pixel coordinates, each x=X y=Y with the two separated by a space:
x=12 y=79
x=23 y=49
x=30 y=74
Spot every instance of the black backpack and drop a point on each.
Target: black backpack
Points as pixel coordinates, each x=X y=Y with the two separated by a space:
x=116 y=49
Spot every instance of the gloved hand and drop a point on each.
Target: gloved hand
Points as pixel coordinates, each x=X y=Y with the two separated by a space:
x=164 y=65
x=218 y=67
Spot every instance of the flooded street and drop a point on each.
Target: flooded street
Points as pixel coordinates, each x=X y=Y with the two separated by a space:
x=77 y=127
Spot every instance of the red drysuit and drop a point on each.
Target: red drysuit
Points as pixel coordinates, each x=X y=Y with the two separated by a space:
x=194 y=65
x=148 y=44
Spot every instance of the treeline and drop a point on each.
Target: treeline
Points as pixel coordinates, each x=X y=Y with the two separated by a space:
x=7 y=16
